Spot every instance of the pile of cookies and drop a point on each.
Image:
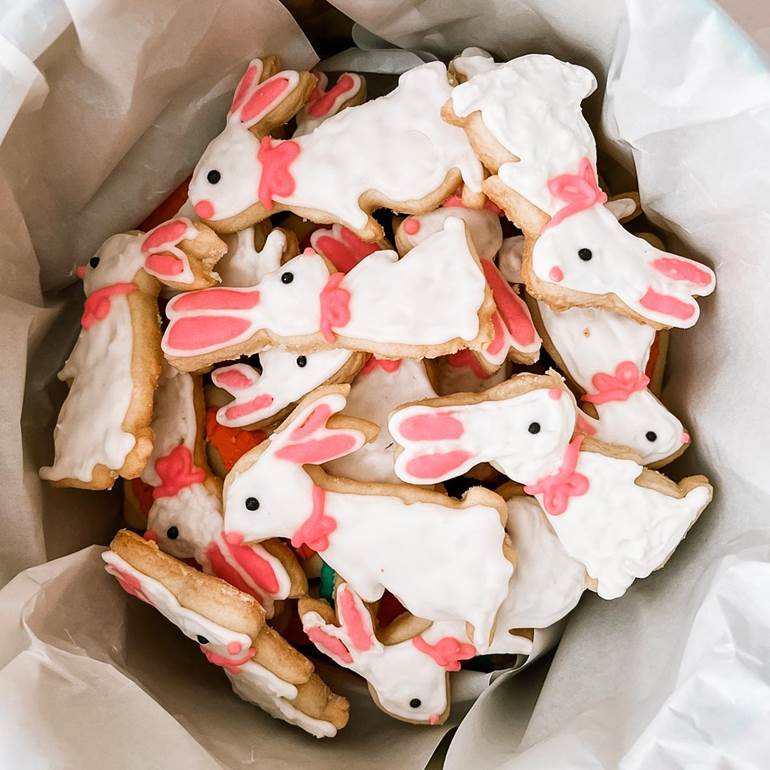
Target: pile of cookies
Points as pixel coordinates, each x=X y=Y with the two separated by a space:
x=403 y=458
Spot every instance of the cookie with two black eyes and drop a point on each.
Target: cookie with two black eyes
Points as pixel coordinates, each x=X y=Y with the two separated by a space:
x=229 y=627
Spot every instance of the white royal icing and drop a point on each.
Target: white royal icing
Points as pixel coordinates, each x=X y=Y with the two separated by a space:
x=441 y=562
x=531 y=105
x=251 y=681
x=373 y=395
x=591 y=341
x=430 y=297
x=283 y=382
x=244 y=264
x=548 y=582
x=396 y=145
x=616 y=528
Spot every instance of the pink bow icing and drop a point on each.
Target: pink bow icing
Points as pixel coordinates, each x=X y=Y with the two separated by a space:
x=618 y=387
x=98 y=303
x=559 y=487
x=335 y=306
x=315 y=530
x=580 y=192
x=447 y=652
x=389 y=366
x=177 y=471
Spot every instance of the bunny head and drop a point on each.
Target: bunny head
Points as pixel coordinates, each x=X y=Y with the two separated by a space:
x=584 y=248
x=522 y=426
x=122 y=256
x=643 y=424
x=407 y=680
x=268 y=493
x=229 y=176
x=285 y=378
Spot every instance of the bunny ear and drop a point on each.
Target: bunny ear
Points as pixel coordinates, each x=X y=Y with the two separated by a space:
x=624 y=208
x=162 y=257
x=236 y=378
x=324 y=637
x=257 y=100
x=250 y=78
x=430 y=438
x=355 y=619
x=308 y=441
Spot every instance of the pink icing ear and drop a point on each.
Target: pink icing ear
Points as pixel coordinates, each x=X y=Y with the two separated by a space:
x=466 y=359
x=257 y=568
x=668 y=305
x=257 y=404
x=251 y=76
x=168 y=234
x=323 y=102
x=343 y=248
x=214 y=299
x=388 y=365
x=313 y=422
x=329 y=644
x=431 y=426
x=265 y=98
x=511 y=306
x=223 y=569
x=679 y=269
x=438 y=466
x=318 y=451
x=355 y=619
x=233 y=378
x=165 y=264
x=199 y=332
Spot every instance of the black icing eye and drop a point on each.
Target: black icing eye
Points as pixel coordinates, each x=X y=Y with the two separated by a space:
x=651 y=435
x=172 y=533
x=94 y=261
x=585 y=254
x=534 y=427
x=287 y=277
x=202 y=639
x=213 y=176
x=301 y=361
x=415 y=703
x=251 y=503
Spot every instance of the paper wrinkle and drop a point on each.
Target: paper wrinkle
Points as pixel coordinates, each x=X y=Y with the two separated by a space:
x=672 y=675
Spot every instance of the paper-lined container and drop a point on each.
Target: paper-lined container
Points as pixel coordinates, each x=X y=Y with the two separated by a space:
x=106 y=107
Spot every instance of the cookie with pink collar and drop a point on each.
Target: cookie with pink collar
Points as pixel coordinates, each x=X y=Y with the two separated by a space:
x=327 y=101
x=524 y=119
x=375 y=536
x=185 y=518
x=395 y=151
x=433 y=301
x=102 y=431
x=229 y=627
x=620 y=520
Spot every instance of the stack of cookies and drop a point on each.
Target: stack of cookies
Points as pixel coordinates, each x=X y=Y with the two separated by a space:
x=400 y=458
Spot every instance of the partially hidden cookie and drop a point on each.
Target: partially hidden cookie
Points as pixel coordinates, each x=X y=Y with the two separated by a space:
x=230 y=629
x=325 y=101
x=619 y=519
x=524 y=119
x=394 y=151
x=103 y=428
x=462 y=372
x=607 y=355
x=254 y=252
x=342 y=247
x=225 y=446
x=381 y=386
x=441 y=558
x=514 y=334
x=433 y=301
x=261 y=399
x=185 y=518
